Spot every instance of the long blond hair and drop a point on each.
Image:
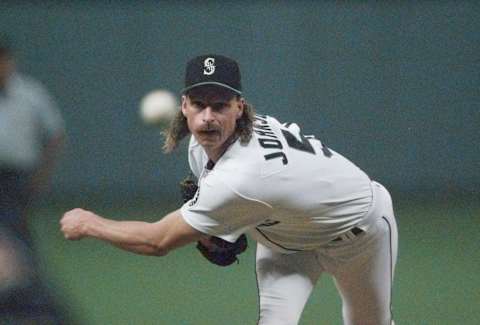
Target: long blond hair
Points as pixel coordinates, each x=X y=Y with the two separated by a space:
x=178 y=128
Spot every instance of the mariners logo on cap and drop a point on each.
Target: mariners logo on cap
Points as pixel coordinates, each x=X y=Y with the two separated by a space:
x=213 y=69
x=209 y=66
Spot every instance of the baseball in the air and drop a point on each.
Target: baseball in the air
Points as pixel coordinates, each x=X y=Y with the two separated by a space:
x=158 y=107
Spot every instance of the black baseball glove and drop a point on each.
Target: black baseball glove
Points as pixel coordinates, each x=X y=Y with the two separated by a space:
x=216 y=250
x=222 y=252
x=188 y=188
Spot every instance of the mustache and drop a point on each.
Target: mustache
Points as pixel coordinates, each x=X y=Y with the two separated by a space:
x=209 y=128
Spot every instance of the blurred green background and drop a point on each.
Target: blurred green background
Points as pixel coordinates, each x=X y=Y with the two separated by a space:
x=394 y=86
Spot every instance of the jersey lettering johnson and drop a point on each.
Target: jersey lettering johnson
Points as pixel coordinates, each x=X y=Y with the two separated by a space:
x=269 y=140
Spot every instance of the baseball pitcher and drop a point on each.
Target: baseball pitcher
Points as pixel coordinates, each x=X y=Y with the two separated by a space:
x=310 y=210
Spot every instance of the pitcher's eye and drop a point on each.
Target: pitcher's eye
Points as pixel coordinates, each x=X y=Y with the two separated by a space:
x=219 y=106
x=198 y=104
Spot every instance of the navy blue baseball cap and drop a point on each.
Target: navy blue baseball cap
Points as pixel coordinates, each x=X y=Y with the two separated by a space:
x=213 y=69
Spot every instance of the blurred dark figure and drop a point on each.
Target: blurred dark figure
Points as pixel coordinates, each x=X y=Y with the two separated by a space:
x=31 y=135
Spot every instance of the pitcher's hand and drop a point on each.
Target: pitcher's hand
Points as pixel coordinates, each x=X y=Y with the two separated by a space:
x=74 y=223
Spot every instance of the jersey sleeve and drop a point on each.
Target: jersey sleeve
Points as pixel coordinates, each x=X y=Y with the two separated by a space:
x=218 y=210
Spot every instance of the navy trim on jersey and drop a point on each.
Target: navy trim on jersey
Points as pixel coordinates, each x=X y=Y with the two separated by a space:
x=391 y=266
x=276 y=244
x=210 y=164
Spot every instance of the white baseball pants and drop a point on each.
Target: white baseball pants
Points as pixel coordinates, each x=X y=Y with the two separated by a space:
x=362 y=268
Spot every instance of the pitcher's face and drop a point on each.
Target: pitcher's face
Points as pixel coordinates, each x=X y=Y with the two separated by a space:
x=212 y=117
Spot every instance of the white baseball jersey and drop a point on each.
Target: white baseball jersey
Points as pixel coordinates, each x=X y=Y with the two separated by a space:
x=286 y=190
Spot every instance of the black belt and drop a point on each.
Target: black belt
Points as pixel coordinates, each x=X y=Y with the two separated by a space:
x=355 y=231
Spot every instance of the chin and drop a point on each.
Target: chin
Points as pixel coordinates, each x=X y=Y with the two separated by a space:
x=208 y=144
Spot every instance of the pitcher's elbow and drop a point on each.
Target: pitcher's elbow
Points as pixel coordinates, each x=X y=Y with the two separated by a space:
x=160 y=252
x=160 y=249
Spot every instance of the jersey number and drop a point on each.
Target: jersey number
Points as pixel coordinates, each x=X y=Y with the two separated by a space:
x=303 y=145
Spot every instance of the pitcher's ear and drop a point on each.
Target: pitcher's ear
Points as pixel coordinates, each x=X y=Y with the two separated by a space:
x=184 y=105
